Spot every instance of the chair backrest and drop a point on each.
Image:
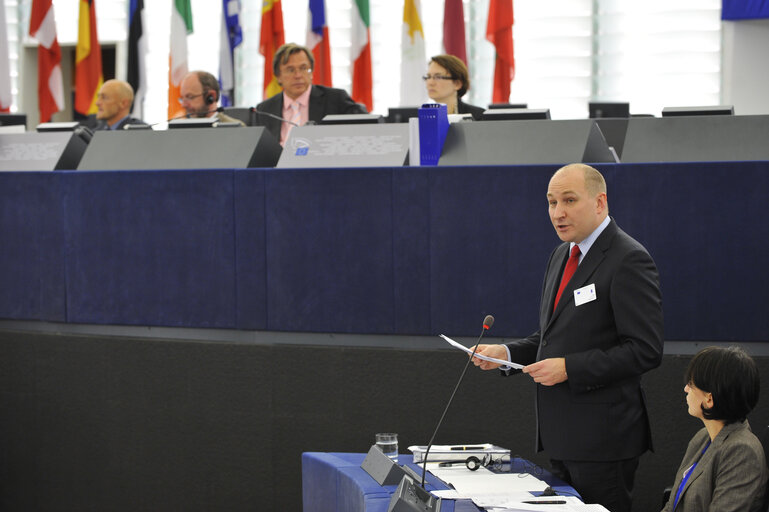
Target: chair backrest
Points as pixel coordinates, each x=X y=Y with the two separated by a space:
x=763 y=436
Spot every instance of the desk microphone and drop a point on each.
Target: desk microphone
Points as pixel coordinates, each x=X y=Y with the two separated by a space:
x=269 y=114
x=487 y=323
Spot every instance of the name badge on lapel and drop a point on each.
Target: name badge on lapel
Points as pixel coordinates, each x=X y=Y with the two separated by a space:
x=584 y=294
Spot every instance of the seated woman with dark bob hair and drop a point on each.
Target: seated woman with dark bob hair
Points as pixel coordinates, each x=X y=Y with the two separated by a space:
x=724 y=467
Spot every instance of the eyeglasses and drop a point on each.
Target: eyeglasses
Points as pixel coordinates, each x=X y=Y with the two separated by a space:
x=189 y=98
x=437 y=77
x=291 y=70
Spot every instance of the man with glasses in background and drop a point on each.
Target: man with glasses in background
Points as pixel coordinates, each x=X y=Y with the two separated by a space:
x=300 y=101
x=199 y=95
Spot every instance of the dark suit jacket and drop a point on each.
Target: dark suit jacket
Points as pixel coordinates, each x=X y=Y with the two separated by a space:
x=120 y=126
x=466 y=108
x=599 y=412
x=730 y=476
x=323 y=101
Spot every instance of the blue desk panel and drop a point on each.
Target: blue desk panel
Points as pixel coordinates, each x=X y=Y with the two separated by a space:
x=371 y=251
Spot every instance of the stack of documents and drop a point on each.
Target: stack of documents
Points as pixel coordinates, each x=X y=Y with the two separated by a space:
x=503 y=492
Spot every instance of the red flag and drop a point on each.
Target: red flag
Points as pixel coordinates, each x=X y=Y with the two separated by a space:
x=50 y=89
x=454 y=29
x=270 y=39
x=88 y=75
x=499 y=30
x=318 y=43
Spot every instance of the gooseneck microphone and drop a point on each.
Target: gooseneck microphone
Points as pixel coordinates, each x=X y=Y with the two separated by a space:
x=487 y=323
x=269 y=114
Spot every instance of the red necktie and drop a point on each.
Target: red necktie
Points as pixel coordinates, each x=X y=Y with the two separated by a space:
x=568 y=271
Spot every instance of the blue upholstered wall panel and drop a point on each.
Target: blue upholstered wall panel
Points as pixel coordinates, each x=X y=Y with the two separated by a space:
x=251 y=250
x=150 y=248
x=31 y=247
x=402 y=250
x=705 y=227
x=329 y=250
x=490 y=237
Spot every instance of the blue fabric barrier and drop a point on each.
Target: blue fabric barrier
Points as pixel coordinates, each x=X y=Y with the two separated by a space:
x=150 y=248
x=32 y=284
x=373 y=251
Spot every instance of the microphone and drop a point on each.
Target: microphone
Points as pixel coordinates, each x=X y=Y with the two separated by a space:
x=269 y=114
x=487 y=323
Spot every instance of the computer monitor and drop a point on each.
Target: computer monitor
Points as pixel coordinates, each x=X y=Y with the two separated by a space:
x=599 y=109
x=401 y=114
x=13 y=119
x=352 y=119
x=511 y=114
x=508 y=105
x=713 y=110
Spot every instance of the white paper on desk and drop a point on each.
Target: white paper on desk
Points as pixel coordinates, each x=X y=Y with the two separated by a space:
x=514 y=504
x=485 y=482
x=485 y=358
x=572 y=505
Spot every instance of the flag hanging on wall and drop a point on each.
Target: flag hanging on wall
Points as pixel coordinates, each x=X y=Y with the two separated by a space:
x=88 y=74
x=232 y=36
x=6 y=95
x=318 y=42
x=413 y=61
x=137 y=54
x=360 y=55
x=454 y=29
x=499 y=30
x=50 y=90
x=181 y=26
x=270 y=39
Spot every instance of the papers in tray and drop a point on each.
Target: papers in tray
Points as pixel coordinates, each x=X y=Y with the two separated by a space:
x=485 y=358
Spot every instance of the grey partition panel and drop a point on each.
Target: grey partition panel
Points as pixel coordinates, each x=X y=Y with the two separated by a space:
x=697 y=139
x=197 y=148
x=359 y=145
x=50 y=151
x=525 y=142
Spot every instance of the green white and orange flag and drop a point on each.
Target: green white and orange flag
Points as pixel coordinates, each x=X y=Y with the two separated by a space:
x=413 y=61
x=181 y=26
x=270 y=39
x=88 y=74
x=360 y=55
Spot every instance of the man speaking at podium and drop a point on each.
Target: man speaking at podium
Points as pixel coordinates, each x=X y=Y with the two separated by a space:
x=300 y=101
x=600 y=330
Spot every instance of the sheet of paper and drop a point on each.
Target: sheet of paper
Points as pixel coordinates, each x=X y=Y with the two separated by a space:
x=485 y=358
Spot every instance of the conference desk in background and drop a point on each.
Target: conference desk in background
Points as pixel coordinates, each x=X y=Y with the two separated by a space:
x=335 y=482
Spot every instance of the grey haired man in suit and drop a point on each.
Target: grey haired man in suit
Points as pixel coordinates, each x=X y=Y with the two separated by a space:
x=600 y=330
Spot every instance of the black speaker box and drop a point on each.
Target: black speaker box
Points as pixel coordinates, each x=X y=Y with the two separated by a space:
x=48 y=151
x=200 y=148
x=525 y=142
x=696 y=139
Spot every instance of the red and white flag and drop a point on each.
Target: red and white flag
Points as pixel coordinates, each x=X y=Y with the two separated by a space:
x=50 y=89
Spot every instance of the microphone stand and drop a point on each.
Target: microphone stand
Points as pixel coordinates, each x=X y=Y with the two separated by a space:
x=487 y=323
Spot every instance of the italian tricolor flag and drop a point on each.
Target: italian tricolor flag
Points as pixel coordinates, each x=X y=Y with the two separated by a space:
x=362 y=83
x=181 y=25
